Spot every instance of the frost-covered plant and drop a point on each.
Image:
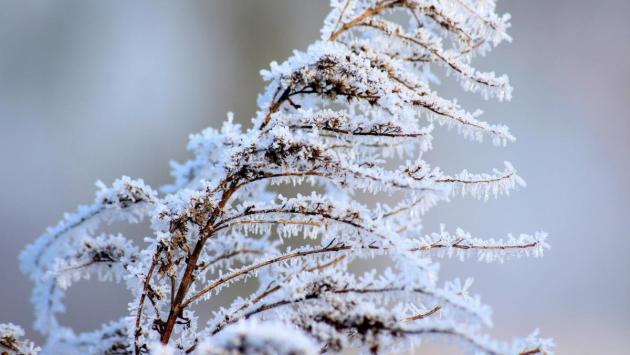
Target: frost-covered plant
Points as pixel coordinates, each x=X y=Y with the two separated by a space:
x=337 y=116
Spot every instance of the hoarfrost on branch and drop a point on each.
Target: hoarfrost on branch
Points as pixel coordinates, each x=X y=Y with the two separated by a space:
x=337 y=117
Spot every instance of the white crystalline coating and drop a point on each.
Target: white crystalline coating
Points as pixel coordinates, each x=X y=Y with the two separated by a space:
x=471 y=79
x=483 y=186
x=107 y=256
x=476 y=20
x=347 y=123
x=251 y=337
x=211 y=148
x=462 y=245
x=11 y=341
x=158 y=348
x=111 y=337
x=404 y=138
x=348 y=72
x=126 y=200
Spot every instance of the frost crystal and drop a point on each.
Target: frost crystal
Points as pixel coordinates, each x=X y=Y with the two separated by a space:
x=10 y=340
x=348 y=118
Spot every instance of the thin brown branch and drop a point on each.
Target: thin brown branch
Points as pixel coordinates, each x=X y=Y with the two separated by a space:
x=275 y=106
x=533 y=351
x=321 y=214
x=145 y=292
x=447 y=180
x=363 y=133
x=382 y=27
x=246 y=270
x=327 y=264
x=227 y=256
x=403 y=208
x=10 y=346
x=312 y=296
x=423 y=315
x=369 y=12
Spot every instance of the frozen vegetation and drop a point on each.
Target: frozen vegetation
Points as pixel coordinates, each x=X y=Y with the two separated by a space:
x=336 y=118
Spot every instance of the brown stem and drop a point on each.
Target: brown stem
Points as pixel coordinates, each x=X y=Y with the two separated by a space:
x=276 y=106
x=191 y=266
x=363 y=133
x=177 y=306
x=10 y=346
x=423 y=315
x=145 y=291
x=369 y=12
x=532 y=352
x=447 y=180
x=187 y=279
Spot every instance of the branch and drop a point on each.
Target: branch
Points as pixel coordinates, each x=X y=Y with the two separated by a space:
x=145 y=291
x=246 y=270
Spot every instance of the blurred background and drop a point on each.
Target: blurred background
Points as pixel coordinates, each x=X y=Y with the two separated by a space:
x=95 y=90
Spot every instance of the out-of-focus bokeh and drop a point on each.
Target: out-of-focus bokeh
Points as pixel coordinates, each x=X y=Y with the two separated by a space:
x=94 y=90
